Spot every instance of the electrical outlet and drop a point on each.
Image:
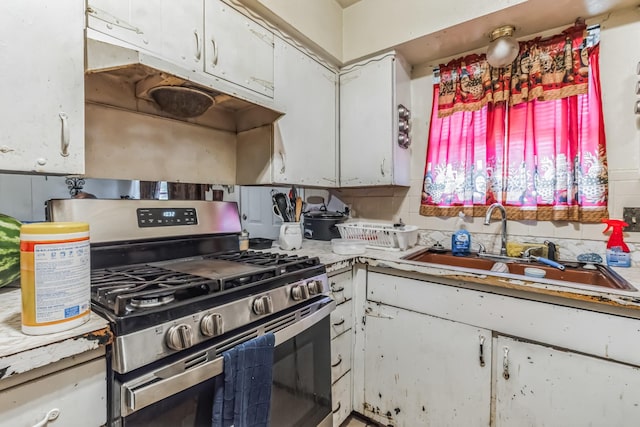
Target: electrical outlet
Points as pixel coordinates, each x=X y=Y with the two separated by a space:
x=632 y=217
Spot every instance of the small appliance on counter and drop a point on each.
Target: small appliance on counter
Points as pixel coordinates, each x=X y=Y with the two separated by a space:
x=321 y=224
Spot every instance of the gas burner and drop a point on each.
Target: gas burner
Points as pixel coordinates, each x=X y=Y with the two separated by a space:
x=156 y=299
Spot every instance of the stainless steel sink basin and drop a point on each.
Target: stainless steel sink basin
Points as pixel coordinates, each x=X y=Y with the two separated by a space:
x=574 y=272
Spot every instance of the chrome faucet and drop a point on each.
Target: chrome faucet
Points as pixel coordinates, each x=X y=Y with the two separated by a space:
x=487 y=220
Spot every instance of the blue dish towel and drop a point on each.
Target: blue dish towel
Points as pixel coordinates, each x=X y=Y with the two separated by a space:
x=243 y=397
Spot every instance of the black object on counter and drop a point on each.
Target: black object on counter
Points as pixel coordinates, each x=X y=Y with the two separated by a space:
x=321 y=225
x=260 y=243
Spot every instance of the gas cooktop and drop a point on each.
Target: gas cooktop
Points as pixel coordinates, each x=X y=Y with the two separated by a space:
x=129 y=294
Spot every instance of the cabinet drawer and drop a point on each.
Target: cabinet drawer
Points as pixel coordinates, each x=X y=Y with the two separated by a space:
x=340 y=356
x=341 y=318
x=341 y=398
x=78 y=393
x=341 y=287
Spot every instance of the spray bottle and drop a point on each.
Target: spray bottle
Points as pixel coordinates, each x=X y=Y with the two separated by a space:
x=617 y=250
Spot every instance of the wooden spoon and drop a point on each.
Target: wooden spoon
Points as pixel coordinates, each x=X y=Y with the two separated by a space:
x=298 y=208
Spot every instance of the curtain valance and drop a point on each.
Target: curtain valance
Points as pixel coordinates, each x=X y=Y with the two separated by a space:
x=545 y=69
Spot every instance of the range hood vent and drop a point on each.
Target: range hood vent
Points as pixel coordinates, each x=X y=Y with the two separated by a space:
x=181 y=101
x=127 y=78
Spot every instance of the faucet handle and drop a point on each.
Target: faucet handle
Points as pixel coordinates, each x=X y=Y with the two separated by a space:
x=481 y=248
x=552 y=251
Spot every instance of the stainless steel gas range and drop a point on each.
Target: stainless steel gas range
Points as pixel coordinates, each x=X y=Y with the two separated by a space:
x=178 y=293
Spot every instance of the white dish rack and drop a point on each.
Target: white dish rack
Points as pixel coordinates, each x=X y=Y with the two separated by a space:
x=380 y=235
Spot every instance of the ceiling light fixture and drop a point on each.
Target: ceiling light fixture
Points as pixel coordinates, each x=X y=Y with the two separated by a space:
x=503 y=48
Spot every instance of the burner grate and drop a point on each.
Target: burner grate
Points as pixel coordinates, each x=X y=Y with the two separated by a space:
x=131 y=288
x=142 y=287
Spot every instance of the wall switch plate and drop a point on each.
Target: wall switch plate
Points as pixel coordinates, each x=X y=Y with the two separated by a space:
x=632 y=217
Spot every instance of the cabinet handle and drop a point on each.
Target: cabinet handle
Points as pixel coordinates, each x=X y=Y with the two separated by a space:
x=198 y=48
x=341 y=322
x=264 y=83
x=335 y=411
x=505 y=364
x=50 y=416
x=382 y=167
x=482 y=351
x=214 y=60
x=338 y=362
x=66 y=137
x=283 y=168
x=334 y=289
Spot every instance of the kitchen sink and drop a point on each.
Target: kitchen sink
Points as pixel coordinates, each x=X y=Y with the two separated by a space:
x=575 y=272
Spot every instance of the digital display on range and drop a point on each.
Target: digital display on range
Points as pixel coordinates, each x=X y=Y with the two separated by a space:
x=162 y=217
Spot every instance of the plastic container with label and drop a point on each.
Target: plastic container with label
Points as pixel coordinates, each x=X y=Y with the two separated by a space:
x=55 y=276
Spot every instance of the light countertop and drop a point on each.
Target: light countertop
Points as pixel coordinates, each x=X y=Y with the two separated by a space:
x=21 y=353
x=582 y=296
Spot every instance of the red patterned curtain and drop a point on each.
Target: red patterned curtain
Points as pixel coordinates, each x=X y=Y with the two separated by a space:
x=530 y=136
x=544 y=70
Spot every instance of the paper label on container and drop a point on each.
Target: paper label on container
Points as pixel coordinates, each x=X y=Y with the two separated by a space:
x=62 y=280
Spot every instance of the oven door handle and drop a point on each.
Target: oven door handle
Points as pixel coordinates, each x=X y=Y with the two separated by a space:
x=136 y=396
x=305 y=323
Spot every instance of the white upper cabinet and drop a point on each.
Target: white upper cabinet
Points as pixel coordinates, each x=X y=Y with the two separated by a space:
x=237 y=49
x=137 y=22
x=173 y=30
x=205 y=36
x=42 y=69
x=370 y=95
x=182 y=32
x=305 y=148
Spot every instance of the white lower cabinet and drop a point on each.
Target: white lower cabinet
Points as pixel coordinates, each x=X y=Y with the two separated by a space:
x=421 y=370
x=537 y=385
x=342 y=346
x=76 y=394
x=341 y=397
x=341 y=355
x=439 y=355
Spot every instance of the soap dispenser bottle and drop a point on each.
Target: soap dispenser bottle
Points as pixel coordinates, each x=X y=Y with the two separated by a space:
x=461 y=239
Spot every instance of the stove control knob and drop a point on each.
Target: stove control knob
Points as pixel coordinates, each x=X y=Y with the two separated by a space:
x=315 y=287
x=263 y=305
x=299 y=292
x=211 y=325
x=179 y=337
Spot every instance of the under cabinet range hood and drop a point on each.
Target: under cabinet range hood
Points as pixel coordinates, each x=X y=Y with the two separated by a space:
x=126 y=77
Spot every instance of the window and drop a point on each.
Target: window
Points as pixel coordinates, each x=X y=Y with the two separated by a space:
x=530 y=136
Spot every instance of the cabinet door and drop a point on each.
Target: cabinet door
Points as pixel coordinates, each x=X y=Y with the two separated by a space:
x=173 y=30
x=367 y=116
x=422 y=370
x=42 y=69
x=305 y=149
x=182 y=32
x=237 y=49
x=78 y=394
x=136 y=22
x=549 y=387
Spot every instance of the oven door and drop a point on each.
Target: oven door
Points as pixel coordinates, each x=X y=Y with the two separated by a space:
x=180 y=393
